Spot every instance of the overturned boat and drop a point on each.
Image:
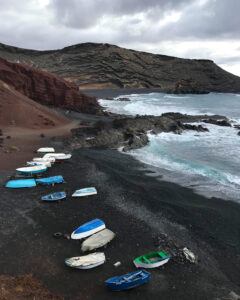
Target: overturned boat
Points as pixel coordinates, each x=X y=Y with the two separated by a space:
x=44 y=160
x=152 y=260
x=32 y=169
x=21 y=183
x=88 y=229
x=85 y=192
x=35 y=163
x=46 y=150
x=128 y=281
x=50 y=180
x=98 y=240
x=57 y=156
x=54 y=196
x=86 y=262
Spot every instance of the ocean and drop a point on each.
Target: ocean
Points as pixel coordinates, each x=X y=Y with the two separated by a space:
x=208 y=162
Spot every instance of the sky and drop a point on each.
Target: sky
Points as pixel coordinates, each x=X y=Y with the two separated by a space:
x=207 y=29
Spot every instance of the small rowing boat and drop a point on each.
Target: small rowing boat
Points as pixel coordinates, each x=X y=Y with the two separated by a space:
x=54 y=196
x=98 y=240
x=88 y=229
x=85 y=192
x=57 y=156
x=128 y=281
x=50 y=180
x=21 y=183
x=152 y=260
x=46 y=150
x=86 y=262
x=32 y=169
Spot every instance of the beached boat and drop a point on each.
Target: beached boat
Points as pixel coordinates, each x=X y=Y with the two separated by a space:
x=85 y=192
x=128 y=281
x=152 y=260
x=86 y=262
x=46 y=150
x=40 y=159
x=32 y=169
x=58 y=156
x=35 y=163
x=50 y=180
x=88 y=229
x=97 y=240
x=54 y=196
x=21 y=183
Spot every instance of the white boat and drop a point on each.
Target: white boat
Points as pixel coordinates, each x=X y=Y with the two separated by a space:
x=86 y=262
x=35 y=163
x=85 y=192
x=40 y=159
x=32 y=169
x=57 y=156
x=46 y=150
x=98 y=240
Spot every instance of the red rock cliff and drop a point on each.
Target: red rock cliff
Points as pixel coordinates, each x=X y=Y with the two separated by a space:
x=46 y=88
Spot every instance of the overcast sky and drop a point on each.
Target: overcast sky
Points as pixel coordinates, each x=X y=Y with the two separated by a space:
x=185 y=28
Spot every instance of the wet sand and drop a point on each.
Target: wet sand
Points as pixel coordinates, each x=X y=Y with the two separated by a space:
x=146 y=214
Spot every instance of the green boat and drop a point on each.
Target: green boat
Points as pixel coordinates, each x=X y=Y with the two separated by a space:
x=152 y=260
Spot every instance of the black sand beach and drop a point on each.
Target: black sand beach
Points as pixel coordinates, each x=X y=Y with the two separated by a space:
x=145 y=213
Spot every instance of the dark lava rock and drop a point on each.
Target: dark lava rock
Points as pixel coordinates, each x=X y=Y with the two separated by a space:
x=131 y=132
x=218 y=122
x=188 y=86
x=123 y=99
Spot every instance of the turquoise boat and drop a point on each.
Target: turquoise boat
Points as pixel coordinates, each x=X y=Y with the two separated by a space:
x=20 y=183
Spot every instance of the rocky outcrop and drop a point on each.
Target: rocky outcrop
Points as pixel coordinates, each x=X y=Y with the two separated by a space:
x=132 y=132
x=97 y=66
x=187 y=86
x=46 y=88
x=218 y=122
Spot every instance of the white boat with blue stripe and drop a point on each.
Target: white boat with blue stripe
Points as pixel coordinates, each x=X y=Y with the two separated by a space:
x=88 y=229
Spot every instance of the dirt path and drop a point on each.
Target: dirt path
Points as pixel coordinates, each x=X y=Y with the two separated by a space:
x=22 y=142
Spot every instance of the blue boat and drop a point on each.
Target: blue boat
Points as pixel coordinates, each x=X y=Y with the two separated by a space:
x=50 y=180
x=128 y=281
x=21 y=183
x=88 y=229
x=54 y=196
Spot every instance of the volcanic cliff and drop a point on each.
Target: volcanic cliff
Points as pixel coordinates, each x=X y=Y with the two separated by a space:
x=92 y=65
x=46 y=88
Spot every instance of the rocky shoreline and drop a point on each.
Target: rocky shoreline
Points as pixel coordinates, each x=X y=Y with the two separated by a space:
x=130 y=133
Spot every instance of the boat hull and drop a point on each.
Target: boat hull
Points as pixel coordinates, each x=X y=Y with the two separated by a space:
x=54 y=197
x=82 y=235
x=85 y=192
x=50 y=180
x=89 y=261
x=119 y=283
x=97 y=240
x=21 y=183
x=151 y=265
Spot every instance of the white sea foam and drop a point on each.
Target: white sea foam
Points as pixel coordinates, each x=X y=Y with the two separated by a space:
x=207 y=161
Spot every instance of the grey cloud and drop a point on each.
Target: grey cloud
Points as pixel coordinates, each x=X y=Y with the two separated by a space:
x=86 y=13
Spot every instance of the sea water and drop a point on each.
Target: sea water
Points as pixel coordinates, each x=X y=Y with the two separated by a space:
x=209 y=162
